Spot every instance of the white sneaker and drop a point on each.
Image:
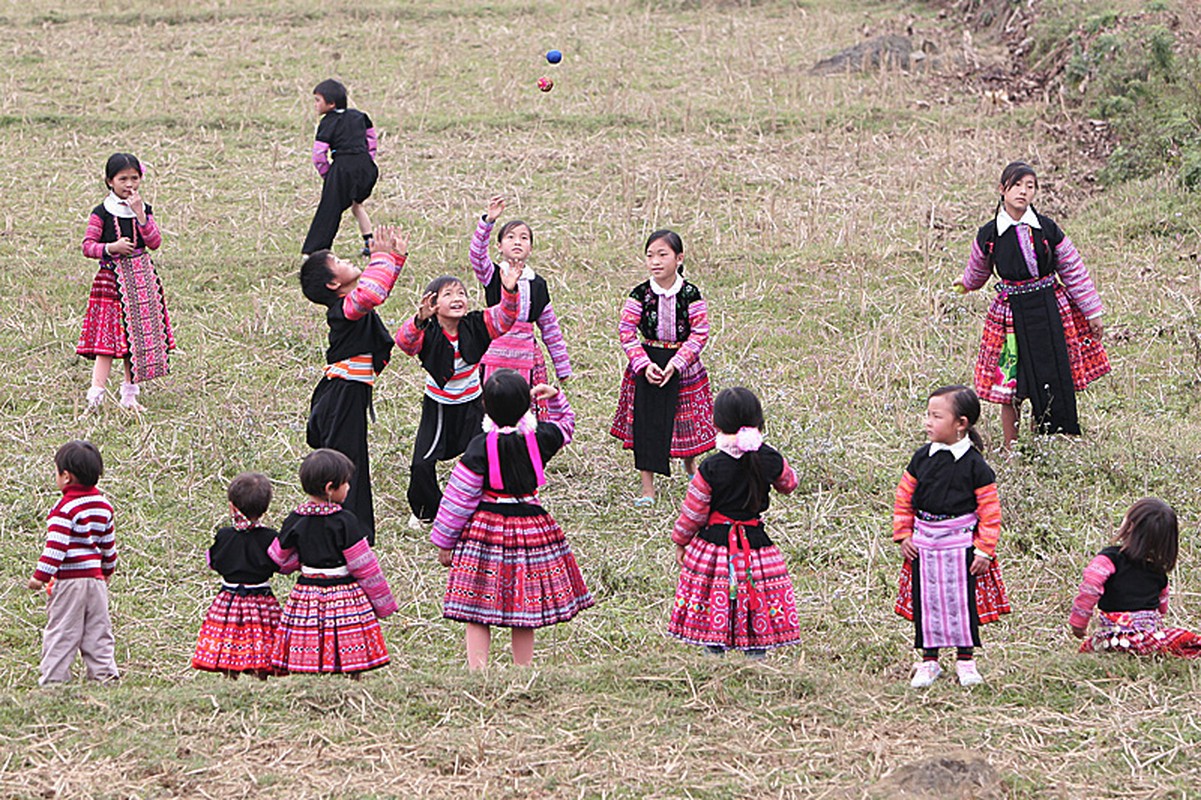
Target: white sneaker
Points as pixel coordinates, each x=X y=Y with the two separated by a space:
x=95 y=396
x=968 y=674
x=925 y=674
x=416 y=524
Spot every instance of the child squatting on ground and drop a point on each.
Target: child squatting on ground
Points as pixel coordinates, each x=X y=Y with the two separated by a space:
x=238 y=632
x=734 y=592
x=510 y=564
x=344 y=155
x=331 y=620
x=126 y=316
x=359 y=349
x=947 y=519
x=1128 y=582
x=449 y=339
x=79 y=558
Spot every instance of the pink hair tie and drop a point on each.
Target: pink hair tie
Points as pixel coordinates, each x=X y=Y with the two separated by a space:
x=748 y=440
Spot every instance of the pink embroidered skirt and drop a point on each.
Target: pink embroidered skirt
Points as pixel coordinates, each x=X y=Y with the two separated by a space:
x=693 y=432
x=328 y=625
x=1139 y=633
x=238 y=633
x=128 y=321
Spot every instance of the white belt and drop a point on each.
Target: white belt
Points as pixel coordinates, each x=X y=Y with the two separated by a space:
x=325 y=572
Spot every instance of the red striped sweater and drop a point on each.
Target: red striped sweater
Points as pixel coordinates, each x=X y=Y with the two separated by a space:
x=79 y=537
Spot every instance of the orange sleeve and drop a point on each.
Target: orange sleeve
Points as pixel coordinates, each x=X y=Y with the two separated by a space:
x=988 y=529
x=902 y=508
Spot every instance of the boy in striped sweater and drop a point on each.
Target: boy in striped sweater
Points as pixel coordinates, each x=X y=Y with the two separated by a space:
x=359 y=349
x=450 y=340
x=79 y=557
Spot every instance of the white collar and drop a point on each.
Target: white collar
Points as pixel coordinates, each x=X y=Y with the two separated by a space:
x=527 y=273
x=1004 y=221
x=673 y=291
x=957 y=450
x=117 y=207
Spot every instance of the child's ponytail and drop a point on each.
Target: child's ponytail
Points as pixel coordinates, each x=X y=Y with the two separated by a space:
x=738 y=416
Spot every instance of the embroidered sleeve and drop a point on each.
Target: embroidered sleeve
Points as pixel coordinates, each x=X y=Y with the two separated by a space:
x=787 y=482
x=988 y=529
x=1163 y=599
x=364 y=566
x=321 y=156
x=1076 y=280
x=374 y=285
x=902 y=508
x=372 y=141
x=552 y=337
x=461 y=499
x=92 y=246
x=627 y=334
x=409 y=337
x=559 y=412
x=149 y=233
x=500 y=317
x=1091 y=588
x=694 y=514
x=287 y=559
x=481 y=262
x=698 y=321
x=978 y=269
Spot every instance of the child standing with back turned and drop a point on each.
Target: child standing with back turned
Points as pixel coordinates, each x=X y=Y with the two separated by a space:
x=80 y=555
x=344 y=155
x=1129 y=583
x=947 y=519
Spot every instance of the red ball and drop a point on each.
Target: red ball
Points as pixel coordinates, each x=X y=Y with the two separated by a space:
x=546 y=84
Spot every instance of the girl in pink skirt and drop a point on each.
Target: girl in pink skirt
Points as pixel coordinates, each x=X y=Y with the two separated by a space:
x=1129 y=583
x=127 y=315
x=734 y=591
x=510 y=564
x=664 y=409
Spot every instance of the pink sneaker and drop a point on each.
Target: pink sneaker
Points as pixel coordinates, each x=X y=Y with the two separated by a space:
x=925 y=674
x=968 y=674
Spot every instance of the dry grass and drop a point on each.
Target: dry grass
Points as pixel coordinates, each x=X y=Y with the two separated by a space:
x=824 y=219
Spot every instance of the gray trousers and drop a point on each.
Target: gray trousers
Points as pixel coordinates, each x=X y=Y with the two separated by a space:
x=77 y=622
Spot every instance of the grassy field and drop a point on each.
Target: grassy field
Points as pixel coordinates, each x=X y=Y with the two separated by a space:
x=824 y=219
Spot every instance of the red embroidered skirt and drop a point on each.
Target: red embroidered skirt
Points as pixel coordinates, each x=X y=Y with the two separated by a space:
x=702 y=612
x=105 y=323
x=1117 y=633
x=328 y=626
x=1086 y=355
x=693 y=432
x=991 y=598
x=514 y=571
x=238 y=633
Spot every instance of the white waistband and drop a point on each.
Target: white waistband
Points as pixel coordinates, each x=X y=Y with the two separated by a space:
x=263 y=585
x=325 y=572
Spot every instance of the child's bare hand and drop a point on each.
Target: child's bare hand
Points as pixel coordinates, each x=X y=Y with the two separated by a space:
x=979 y=565
x=543 y=391
x=445 y=557
x=908 y=549
x=653 y=373
x=121 y=247
x=668 y=371
x=680 y=555
x=1078 y=632
x=34 y=585
x=425 y=309
x=496 y=207
x=1096 y=327
x=390 y=239
x=509 y=273
x=134 y=201
x=958 y=286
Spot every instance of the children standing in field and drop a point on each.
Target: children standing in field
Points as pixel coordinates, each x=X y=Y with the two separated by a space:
x=1129 y=583
x=734 y=591
x=947 y=520
x=450 y=340
x=518 y=349
x=359 y=349
x=510 y=564
x=127 y=315
x=331 y=620
x=238 y=633
x=664 y=409
x=79 y=558
x=1042 y=335
x=344 y=155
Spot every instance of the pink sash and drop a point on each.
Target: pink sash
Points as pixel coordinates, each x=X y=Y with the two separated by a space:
x=531 y=443
x=942 y=568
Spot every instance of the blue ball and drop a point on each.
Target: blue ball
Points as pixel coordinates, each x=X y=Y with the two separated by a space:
x=554 y=56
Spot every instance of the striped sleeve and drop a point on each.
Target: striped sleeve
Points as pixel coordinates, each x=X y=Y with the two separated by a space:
x=364 y=566
x=902 y=508
x=500 y=317
x=107 y=542
x=694 y=514
x=373 y=286
x=787 y=482
x=1076 y=280
x=321 y=157
x=627 y=334
x=988 y=529
x=978 y=270
x=92 y=246
x=552 y=337
x=151 y=236
x=1091 y=588
x=561 y=414
x=459 y=502
x=690 y=350
x=477 y=252
x=409 y=337
x=287 y=558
